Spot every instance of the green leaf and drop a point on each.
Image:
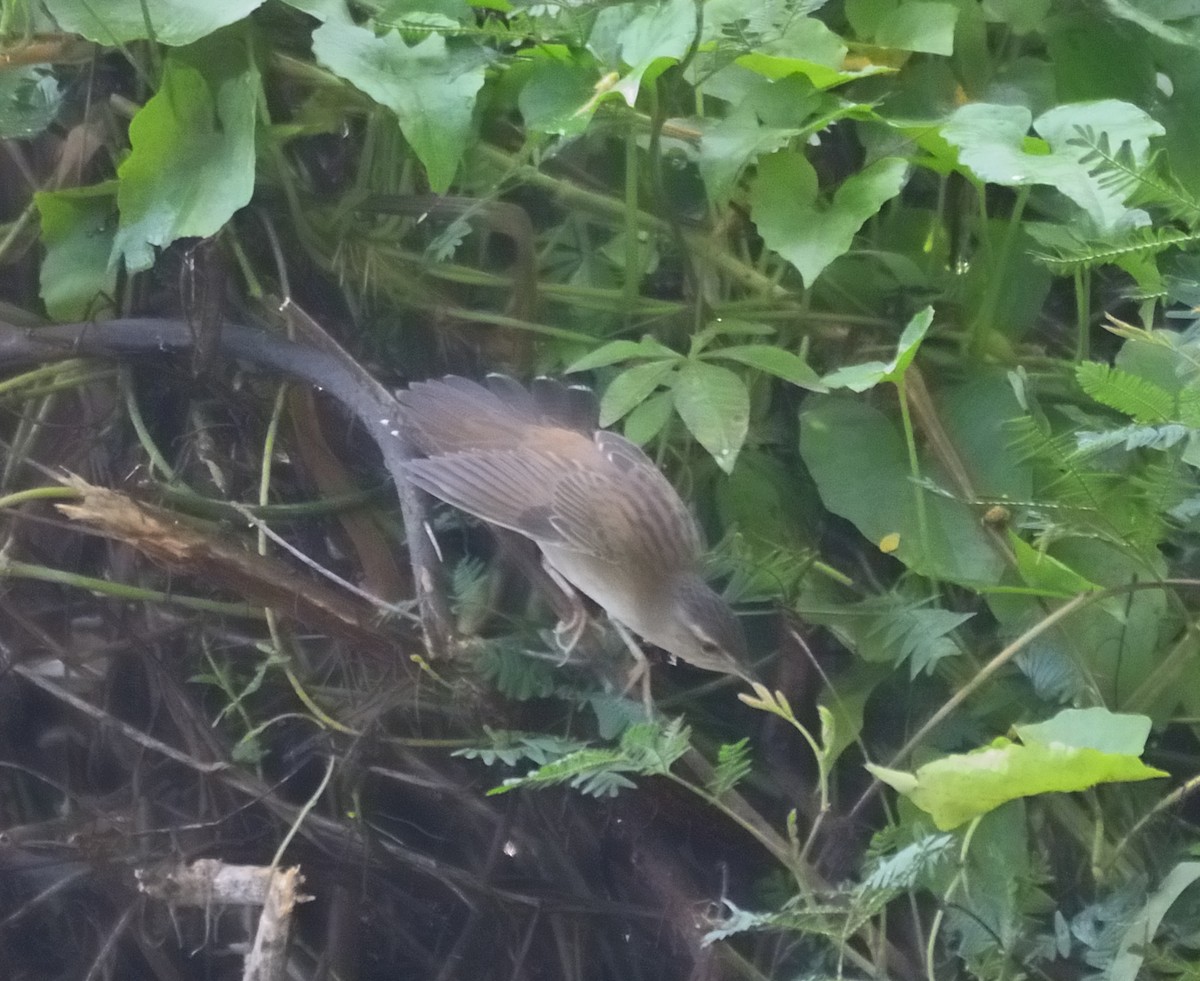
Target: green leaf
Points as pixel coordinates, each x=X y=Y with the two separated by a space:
x=647 y=37
x=918 y=26
x=1136 y=397
x=645 y=421
x=957 y=788
x=509 y=748
x=993 y=143
x=614 y=352
x=770 y=114
x=860 y=377
x=192 y=160
x=78 y=226
x=715 y=406
x=556 y=91
x=632 y=387
x=29 y=101
x=171 y=22
x=733 y=765
x=1091 y=728
x=648 y=749
x=785 y=208
x=1046 y=574
x=858 y=459
x=807 y=46
x=774 y=361
x=430 y=86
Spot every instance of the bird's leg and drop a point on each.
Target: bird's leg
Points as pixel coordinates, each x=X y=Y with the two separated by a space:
x=571 y=627
x=641 y=669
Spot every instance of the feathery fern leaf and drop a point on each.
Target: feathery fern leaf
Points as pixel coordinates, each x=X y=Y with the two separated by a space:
x=1131 y=394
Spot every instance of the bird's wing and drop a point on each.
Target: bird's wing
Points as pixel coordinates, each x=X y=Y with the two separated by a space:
x=621 y=514
x=457 y=415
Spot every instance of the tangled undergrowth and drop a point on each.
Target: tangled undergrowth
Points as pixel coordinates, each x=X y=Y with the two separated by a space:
x=900 y=295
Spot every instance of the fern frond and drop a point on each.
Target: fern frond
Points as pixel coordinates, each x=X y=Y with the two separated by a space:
x=650 y=749
x=733 y=764
x=1126 y=392
x=594 y=772
x=894 y=629
x=1068 y=254
x=1140 y=183
x=509 y=748
x=1131 y=438
x=907 y=867
x=507 y=665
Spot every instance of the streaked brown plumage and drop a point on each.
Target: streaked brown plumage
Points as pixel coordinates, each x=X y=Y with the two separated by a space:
x=606 y=520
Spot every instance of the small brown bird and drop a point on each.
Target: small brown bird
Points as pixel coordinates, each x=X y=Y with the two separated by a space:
x=606 y=520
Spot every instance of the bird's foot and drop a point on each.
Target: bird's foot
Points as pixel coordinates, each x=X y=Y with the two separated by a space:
x=640 y=673
x=568 y=632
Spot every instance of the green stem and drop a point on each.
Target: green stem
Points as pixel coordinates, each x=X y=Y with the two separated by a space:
x=1083 y=314
x=914 y=465
x=134 y=411
x=11 y=568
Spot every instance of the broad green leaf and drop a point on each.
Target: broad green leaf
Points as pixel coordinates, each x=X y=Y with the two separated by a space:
x=1046 y=574
x=957 y=788
x=774 y=361
x=993 y=143
x=614 y=352
x=768 y=503
x=647 y=419
x=769 y=115
x=171 y=22
x=715 y=406
x=918 y=26
x=1090 y=728
x=858 y=458
x=1023 y=16
x=809 y=234
x=805 y=46
x=78 y=225
x=631 y=388
x=729 y=144
x=554 y=97
x=29 y=101
x=860 y=377
x=192 y=160
x=430 y=86
x=977 y=415
x=646 y=37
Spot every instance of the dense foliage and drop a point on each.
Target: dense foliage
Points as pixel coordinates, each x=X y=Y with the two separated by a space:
x=901 y=294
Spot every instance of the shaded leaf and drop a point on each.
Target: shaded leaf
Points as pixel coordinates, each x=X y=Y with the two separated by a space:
x=715 y=406
x=78 y=227
x=809 y=234
x=631 y=388
x=192 y=160
x=170 y=22
x=774 y=361
x=430 y=86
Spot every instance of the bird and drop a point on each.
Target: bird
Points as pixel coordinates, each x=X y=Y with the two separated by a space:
x=607 y=521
